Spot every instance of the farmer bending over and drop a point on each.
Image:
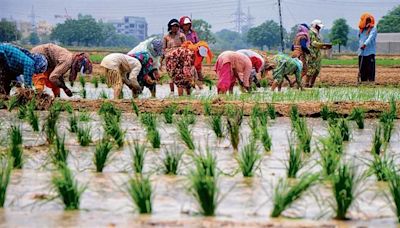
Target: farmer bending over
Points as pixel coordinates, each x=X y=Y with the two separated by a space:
x=283 y=66
x=147 y=77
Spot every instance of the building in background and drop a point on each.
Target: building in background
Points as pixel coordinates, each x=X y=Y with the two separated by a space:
x=131 y=26
x=43 y=28
x=388 y=43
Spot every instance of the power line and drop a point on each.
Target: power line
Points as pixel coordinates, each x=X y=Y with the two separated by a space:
x=281 y=26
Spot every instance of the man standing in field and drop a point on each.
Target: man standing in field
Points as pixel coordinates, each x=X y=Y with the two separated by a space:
x=367 y=50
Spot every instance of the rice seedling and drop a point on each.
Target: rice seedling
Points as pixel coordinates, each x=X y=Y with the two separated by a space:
x=149 y=120
x=393 y=108
x=15 y=149
x=249 y=159
x=82 y=81
x=207 y=108
x=102 y=154
x=103 y=95
x=330 y=159
x=358 y=115
x=22 y=112
x=344 y=129
x=32 y=116
x=68 y=107
x=335 y=137
x=135 y=107
x=253 y=122
x=264 y=83
x=154 y=137
x=377 y=142
x=394 y=190
x=108 y=108
x=95 y=82
x=189 y=116
x=209 y=82
x=303 y=134
x=215 y=122
x=171 y=161
x=138 y=154
x=73 y=123
x=381 y=165
x=169 y=114
x=12 y=103
x=185 y=133
x=263 y=117
x=271 y=111
x=112 y=127
x=234 y=122
x=294 y=115
x=50 y=125
x=84 y=135
x=295 y=162
x=59 y=154
x=67 y=188
x=141 y=193
x=285 y=194
x=103 y=79
x=83 y=93
x=325 y=112
x=206 y=164
x=84 y=116
x=344 y=186
x=6 y=166
x=266 y=139
x=387 y=123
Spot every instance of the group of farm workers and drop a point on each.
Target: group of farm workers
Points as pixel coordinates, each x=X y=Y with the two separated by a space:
x=183 y=53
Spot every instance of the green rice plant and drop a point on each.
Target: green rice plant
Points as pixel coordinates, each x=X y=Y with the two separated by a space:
x=295 y=162
x=303 y=134
x=263 y=117
x=285 y=194
x=84 y=135
x=381 y=166
x=15 y=146
x=103 y=95
x=68 y=107
x=209 y=82
x=112 y=128
x=206 y=163
x=344 y=129
x=344 y=186
x=394 y=190
x=108 y=108
x=138 y=154
x=330 y=159
x=185 y=133
x=135 y=107
x=234 y=122
x=377 y=141
x=103 y=79
x=154 y=137
x=95 y=82
x=335 y=136
x=73 y=123
x=249 y=159
x=50 y=125
x=215 y=122
x=12 y=103
x=264 y=83
x=294 y=115
x=102 y=154
x=387 y=123
x=84 y=117
x=82 y=81
x=189 y=116
x=393 y=108
x=358 y=115
x=266 y=139
x=32 y=116
x=171 y=161
x=271 y=111
x=83 y=93
x=67 y=188
x=141 y=193
x=22 y=112
x=207 y=108
x=59 y=154
x=169 y=114
x=149 y=120
x=255 y=131
x=325 y=112
x=6 y=166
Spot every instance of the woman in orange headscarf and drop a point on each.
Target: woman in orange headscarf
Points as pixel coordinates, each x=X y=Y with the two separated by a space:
x=367 y=47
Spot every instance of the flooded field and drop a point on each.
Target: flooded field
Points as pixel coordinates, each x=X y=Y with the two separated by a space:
x=243 y=202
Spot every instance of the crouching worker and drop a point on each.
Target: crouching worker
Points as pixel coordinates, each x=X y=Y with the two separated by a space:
x=232 y=66
x=257 y=62
x=122 y=69
x=60 y=61
x=282 y=66
x=15 y=61
x=148 y=75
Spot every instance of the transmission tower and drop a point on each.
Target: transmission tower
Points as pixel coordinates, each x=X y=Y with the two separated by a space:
x=32 y=16
x=250 y=18
x=239 y=18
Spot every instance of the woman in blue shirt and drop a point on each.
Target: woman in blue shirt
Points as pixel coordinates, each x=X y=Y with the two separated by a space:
x=367 y=50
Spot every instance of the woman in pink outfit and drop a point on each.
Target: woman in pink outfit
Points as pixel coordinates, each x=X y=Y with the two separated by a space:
x=231 y=66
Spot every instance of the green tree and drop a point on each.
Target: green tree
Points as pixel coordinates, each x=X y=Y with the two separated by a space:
x=203 y=29
x=34 y=38
x=8 y=31
x=229 y=40
x=390 y=22
x=339 y=32
x=266 y=34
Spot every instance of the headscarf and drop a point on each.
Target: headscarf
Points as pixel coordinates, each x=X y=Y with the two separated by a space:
x=40 y=63
x=172 y=22
x=195 y=48
x=363 y=22
x=303 y=31
x=182 y=21
x=145 y=60
x=80 y=61
x=156 y=47
x=314 y=25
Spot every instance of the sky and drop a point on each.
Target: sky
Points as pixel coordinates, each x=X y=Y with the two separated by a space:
x=219 y=13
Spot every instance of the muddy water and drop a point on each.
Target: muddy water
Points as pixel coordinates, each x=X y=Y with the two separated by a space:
x=244 y=202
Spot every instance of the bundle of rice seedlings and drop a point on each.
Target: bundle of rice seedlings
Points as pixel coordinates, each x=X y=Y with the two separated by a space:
x=12 y=103
x=169 y=114
x=215 y=122
x=141 y=193
x=358 y=115
x=344 y=129
x=171 y=161
x=95 y=82
x=206 y=163
x=103 y=95
x=6 y=166
x=381 y=165
x=67 y=188
x=266 y=139
x=285 y=194
x=73 y=123
x=59 y=154
x=387 y=122
x=185 y=133
x=135 y=107
x=82 y=81
x=138 y=155
x=102 y=154
x=22 y=112
x=271 y=111
x=112 y=127
x=15 y=146
x=325 y=112
x=394 y=190
x=234 y=121
x=377 y=142
x=330 y=158
x=295 y=162
x=84 y=135
x=344 y=186
x=207 y=108
x=249 y=159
